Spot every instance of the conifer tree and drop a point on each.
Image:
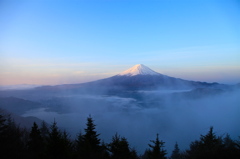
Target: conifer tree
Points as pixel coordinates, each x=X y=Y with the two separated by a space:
x=134 y=154
x=176 y=152
x=11 y=143
x=146 y=154
x=44 y=130
x=238 y=143
x=89 y=143
x=3 y=136
x=79 y=143
x=210 y=140
x=119 y=148
x=209 y=146
x=228 y=142
x=58 y=145
x=3 y=125
x=35 y=143
x=53 y=141
x=3 y=128
x=230 y=148
x=67 y=146
x=104 y=151
x=91 y=135
x=157 y=151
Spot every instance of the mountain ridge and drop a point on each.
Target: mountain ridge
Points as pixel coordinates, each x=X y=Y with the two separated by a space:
x=138 y=77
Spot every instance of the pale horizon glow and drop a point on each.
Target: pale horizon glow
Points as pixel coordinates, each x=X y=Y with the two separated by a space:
x=48 y=42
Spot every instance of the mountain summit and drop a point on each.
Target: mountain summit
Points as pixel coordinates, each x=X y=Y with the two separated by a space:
x=136 y=78
x=142 y=77
x=138 y=69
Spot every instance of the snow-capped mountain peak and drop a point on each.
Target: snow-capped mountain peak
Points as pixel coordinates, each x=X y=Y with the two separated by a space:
x=138 y=69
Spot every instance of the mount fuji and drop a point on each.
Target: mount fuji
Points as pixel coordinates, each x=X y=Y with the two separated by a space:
x=136 y=78
x=142 y=77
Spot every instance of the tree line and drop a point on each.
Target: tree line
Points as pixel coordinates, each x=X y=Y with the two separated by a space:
x=49 y=142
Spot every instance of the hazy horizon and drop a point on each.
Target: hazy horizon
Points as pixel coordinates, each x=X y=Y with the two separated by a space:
x=86 y=79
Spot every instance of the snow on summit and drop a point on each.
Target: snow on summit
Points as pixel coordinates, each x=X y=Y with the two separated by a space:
x=139 y=69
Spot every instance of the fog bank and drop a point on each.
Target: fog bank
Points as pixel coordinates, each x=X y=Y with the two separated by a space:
x=179 y=121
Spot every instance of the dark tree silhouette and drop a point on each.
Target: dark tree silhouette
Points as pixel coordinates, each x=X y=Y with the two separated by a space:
x=156 y=150
x=238 y=142
x=176 y=152
x=52 y=143
x=3 y=136
x=35 y=143
x=91 y=135
x=230 y=148
x=104 y=151
x=209 y=147
x=88 y=145
x=2 y=123
x=3 y=128
x=67 y=145
x=11 y=139
x=119 y=148
x=79 y=143
x=44 y=130
x=58 y=144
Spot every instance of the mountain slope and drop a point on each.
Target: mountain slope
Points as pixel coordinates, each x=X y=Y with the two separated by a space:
x=142 y=77
x=23 y=122
x=138 y=77
x=18 y=105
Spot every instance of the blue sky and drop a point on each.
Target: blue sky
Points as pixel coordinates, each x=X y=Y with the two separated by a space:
x=74 y=41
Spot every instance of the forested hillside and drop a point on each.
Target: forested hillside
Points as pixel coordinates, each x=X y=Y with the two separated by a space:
x=49 y=142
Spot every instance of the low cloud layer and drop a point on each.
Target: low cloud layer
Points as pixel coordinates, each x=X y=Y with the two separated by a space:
x=179 y=121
